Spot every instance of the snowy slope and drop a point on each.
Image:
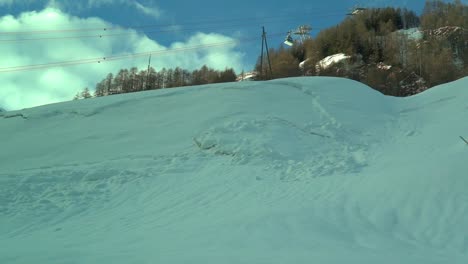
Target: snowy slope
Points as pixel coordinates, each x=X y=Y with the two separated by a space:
x=298 y=170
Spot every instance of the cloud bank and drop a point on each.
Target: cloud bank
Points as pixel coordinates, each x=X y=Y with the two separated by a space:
x=22 y=89
x=147 y=8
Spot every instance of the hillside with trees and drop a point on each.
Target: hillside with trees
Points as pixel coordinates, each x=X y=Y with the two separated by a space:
x=383 y=53
x=135 y=80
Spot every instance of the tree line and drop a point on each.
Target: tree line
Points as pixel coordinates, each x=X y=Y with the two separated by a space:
x=135 y=80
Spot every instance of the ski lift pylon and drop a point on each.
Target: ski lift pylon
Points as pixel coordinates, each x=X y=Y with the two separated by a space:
x=303 y=32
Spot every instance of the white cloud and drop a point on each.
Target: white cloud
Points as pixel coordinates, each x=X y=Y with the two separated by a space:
x=70 y=5
x=150 y=11
x=23 y=89
x=6 y=2
x=148 y=8
x=217 y=56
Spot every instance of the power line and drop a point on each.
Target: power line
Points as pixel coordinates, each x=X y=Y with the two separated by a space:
x=278 y=18
x=116 y=34
x=201 y=26
x=122 y=56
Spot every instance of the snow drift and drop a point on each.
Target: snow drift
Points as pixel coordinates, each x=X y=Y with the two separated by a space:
x=296 y=170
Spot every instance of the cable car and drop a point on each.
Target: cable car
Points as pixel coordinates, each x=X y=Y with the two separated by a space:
x=289 y=40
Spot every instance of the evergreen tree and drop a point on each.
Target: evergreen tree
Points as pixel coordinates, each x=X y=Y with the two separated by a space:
x=133 y=79
x=85 y=94
x=108 y=84
x=77 y=96
x=100 y=88
x=228 y=75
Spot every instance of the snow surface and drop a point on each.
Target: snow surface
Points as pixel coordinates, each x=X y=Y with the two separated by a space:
x=302 y=64
x=247 y=76
x=326 y=62
x=412 y=33
x=383 y=66
x=298 y=170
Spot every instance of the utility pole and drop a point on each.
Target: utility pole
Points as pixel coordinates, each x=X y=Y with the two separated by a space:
x=147 y=73
x=265 y=43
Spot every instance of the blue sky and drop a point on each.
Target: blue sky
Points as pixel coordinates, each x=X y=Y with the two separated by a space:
x=140 y=26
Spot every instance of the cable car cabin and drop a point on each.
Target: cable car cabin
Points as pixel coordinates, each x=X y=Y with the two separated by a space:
x=289 y=40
